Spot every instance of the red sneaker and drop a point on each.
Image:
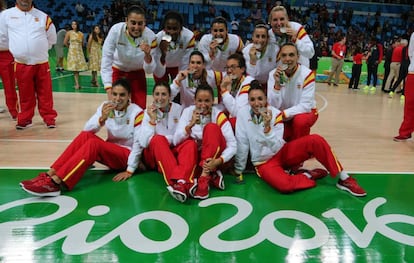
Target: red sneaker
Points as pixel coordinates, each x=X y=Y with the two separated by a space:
x=42 y=187
x=218 y=180
x=352 y=186
x=50 y=124
x=316 y=174
x=40 y=176
x=178 y=191
x=201 y=192
x=23 y=125
x=401 y=138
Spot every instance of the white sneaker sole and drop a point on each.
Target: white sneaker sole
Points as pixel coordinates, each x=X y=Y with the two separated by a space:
x=348 y=190
x=180 y=197
x=221 y=185
x=56 y=193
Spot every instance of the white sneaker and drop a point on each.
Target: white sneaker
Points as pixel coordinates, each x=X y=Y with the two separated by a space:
x=2 y=110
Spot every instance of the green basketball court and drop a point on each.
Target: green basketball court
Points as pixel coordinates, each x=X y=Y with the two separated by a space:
x=138 y=221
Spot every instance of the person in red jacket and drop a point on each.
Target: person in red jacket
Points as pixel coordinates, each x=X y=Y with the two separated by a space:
x=356 y=68
x=338 y=56
x=396 y=59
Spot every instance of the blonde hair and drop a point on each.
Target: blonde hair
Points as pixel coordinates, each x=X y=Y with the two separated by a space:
x=278 y=8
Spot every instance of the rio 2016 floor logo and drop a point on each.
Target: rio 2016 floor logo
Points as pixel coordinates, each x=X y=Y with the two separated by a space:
x=129 y=233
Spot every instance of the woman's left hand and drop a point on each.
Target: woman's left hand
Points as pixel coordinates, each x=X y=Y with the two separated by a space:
x=211 y=164
x=122 y=176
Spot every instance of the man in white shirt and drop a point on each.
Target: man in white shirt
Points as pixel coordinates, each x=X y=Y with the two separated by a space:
x=30 y=34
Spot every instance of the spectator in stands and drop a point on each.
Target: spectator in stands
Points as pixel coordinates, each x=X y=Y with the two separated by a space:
x=175 y=43
x=129 y=51
x=291 y=89
x=407 y=125
x=235 y=26
x=396 y=59
x=32 y=69
x=94 y=47
x=260 y=55
x=284 y=31
x=59 y=47
x=7 y=74
x=374 y=58
x=387 y=63
x=338 y=56
x=357 y=58
x=80 y=9
x=313 y=62
x=219 y=44
x=76 y=58
x=403 y=70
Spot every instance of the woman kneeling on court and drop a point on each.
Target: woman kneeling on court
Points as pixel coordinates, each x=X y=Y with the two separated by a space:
x=259 y=129
x=205 y=138
x=120 y=151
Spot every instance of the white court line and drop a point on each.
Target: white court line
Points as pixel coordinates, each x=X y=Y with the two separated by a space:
x=325 y=102
x=63 y=76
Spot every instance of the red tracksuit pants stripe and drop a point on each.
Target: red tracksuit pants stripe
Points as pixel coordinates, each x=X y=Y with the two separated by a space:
x=7 y=77
x=34 y=81
x=83 y=151
x=293 y=153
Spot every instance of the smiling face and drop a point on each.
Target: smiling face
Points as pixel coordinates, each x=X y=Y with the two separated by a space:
x=172 y=28
x=278 y=19
x=289 y=56
x=161 y=96
x=197 y=65
x=260 y=37
x=233 y=69
x=257 y=100
x=135 y=24
x=204 y=101
x=219 y=30
x=121 y=97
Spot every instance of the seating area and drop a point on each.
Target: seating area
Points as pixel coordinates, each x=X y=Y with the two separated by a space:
x=198 y=15
x=63 y=12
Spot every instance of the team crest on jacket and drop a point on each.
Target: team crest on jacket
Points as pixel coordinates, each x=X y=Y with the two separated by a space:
x=298 y=86
x=175 y=120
